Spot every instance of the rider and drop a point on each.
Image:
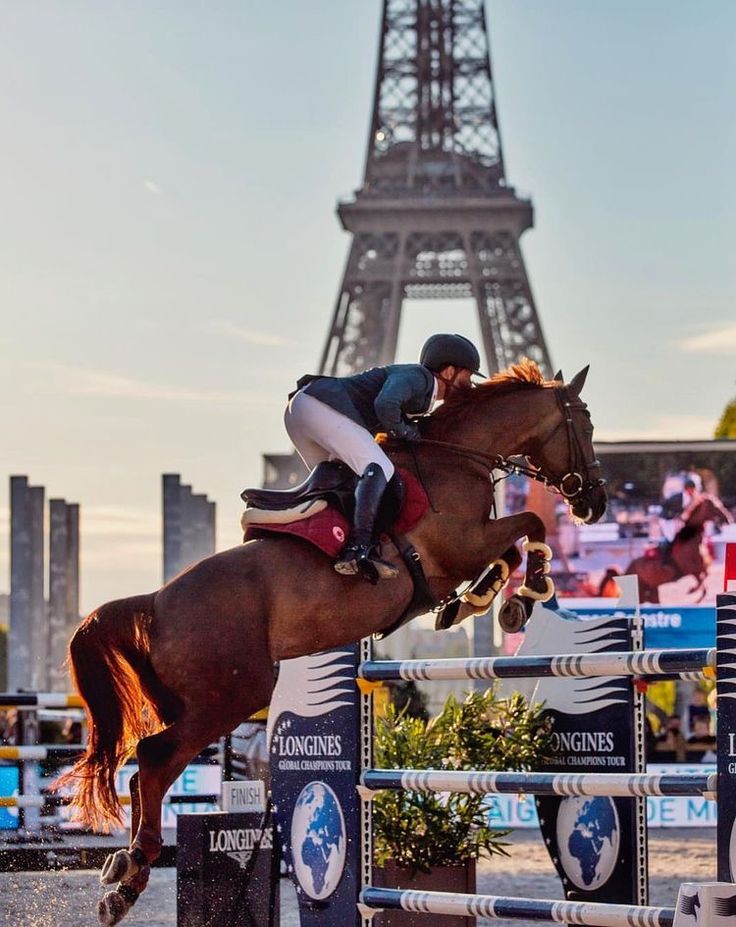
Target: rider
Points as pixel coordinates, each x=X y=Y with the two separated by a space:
x=336 y=418
x=676 y=511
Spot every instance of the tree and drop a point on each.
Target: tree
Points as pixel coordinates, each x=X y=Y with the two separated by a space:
x=726 y=427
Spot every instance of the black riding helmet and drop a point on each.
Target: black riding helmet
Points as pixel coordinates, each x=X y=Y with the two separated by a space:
x=443 y=349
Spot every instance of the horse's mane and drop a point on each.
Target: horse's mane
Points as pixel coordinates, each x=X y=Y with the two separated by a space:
x=525 y=375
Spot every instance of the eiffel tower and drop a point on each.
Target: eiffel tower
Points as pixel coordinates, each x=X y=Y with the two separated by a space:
x=435 y=216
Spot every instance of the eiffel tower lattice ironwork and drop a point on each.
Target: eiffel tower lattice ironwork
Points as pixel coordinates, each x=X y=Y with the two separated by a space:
x=434 y=217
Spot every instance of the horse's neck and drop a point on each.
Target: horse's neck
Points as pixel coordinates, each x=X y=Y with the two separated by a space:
x=700 y=513
x=502 y=428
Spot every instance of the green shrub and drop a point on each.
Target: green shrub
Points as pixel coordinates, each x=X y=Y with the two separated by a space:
x=422 y=830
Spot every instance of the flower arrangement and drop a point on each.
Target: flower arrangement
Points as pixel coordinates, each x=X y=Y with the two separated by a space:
x=422 y=831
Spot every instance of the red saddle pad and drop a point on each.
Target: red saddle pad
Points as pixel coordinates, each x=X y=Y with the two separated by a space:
x=328 y=530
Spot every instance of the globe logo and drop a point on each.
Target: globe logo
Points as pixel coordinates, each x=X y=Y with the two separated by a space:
x=318 y=840
x=732 y=850
x=588 y=840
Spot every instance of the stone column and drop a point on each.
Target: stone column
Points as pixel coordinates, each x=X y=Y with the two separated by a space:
x=211 y=530
x=200 y=523
x=58 y=580
x=188 y=525
x=171 y=488
x=63 y=588
x=27 y=630
x=72 y=582
x=39 y=610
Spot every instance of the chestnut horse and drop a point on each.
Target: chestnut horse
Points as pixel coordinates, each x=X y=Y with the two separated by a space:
x=165 y=674
x=684 y=556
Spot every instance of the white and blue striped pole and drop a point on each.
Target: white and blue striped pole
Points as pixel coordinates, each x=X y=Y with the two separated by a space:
x=645 y=663
x=614 y=785
x=591 y=914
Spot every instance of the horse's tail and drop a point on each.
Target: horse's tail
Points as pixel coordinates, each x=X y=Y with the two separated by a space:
x=107 y=654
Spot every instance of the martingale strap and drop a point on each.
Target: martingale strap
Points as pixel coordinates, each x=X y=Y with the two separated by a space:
x=423 y=600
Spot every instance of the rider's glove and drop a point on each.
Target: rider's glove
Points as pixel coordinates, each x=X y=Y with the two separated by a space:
x=406 y=431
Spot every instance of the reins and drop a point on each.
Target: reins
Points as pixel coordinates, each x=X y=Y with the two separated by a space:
x=570 y=485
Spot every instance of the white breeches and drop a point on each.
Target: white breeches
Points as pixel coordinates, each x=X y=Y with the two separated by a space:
x=319 y=433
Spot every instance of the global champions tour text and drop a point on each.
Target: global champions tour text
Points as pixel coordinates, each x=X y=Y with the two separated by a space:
x=585 y=743
x=314 y=750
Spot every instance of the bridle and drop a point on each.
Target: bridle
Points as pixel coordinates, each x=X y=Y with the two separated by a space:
x=571 y=485
x=579 y=472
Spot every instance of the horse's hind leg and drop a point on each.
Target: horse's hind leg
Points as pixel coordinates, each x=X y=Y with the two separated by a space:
x=161 y=758
x=122 y=867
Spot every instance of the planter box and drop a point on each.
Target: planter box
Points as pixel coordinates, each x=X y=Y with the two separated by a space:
x=460 y=878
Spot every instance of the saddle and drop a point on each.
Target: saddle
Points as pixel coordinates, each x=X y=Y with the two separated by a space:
x=330 y=483
x=320 y=511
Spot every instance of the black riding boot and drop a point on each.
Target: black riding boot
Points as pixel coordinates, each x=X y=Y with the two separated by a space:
x=360 y=554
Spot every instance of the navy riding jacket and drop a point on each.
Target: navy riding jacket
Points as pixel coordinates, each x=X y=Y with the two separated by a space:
x=377 y=399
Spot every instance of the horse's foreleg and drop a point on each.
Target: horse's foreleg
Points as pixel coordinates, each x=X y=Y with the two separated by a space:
x=478 y=599
x=499 y=537
x=699 y=586
x=537 y=586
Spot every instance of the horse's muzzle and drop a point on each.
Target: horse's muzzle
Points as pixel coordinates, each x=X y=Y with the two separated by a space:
x=590 y=505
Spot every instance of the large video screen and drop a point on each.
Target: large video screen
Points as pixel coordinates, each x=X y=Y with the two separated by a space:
x=671 y=512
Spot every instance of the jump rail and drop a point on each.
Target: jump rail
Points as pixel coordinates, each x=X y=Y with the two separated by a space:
x=40 y=700
x=645 y=663
x=615 y=785
x=45 y=801
x=60 y=751
x=40 y=753
x=590 y=914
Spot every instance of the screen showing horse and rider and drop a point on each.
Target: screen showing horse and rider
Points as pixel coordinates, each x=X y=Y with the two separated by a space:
x=671 y=512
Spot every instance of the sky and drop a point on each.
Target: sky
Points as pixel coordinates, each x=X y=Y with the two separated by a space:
x=170 y=254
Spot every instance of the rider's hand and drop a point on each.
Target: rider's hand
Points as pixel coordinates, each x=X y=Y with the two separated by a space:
x=406 y=431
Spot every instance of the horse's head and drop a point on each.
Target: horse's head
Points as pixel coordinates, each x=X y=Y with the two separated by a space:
x=709 y=509
x=518 y=413
x=563 y=451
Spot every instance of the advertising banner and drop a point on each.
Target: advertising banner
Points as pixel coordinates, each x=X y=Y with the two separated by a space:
x=224 y=870
x=9 y=781
x=197 y=779
x=665 y=626
x=313 y=735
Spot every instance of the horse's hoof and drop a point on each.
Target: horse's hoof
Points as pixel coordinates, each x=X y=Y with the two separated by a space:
x=112 y=909
x=512 y=616
x=117 y=867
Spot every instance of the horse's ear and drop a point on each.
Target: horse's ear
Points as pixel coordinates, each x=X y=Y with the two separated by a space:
x=578 y=381
x=558 y=376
